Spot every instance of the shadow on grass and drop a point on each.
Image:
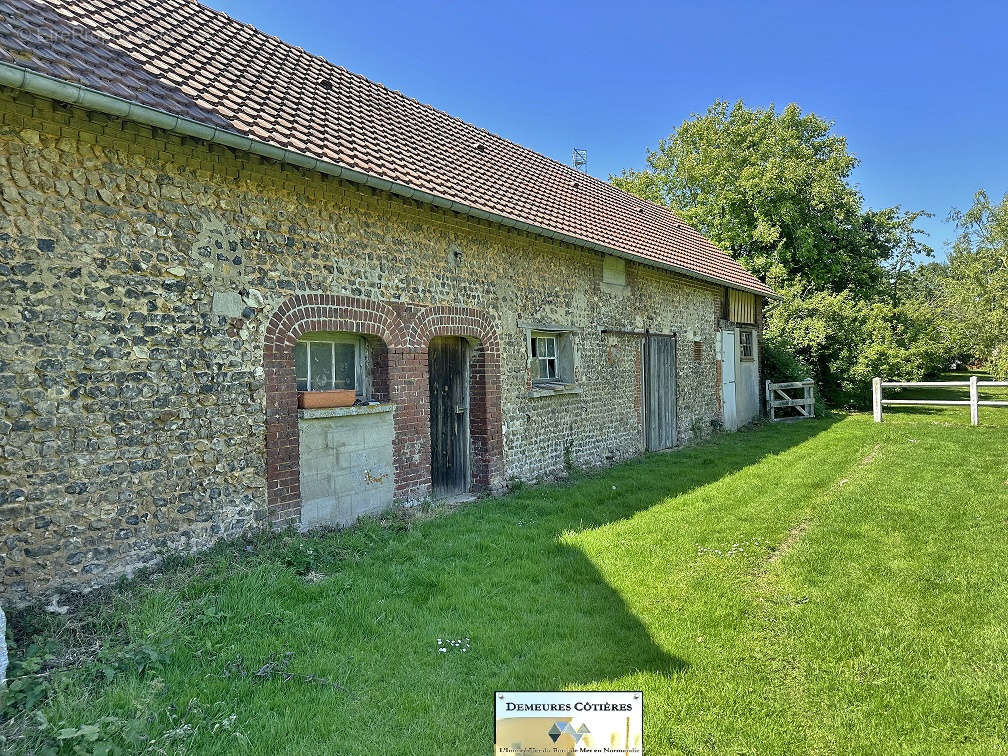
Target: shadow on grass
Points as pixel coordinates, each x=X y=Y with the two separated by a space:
x=499 y=572
x=371 y=606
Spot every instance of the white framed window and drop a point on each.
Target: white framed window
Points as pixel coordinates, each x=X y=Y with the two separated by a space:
x=745 y=344
x=551 y=358
x=328 y=362
x=544 y=355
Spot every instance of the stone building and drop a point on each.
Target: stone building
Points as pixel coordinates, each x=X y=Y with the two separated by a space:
x=203 y=228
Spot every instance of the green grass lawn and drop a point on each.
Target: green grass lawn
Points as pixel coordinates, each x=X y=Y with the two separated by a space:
x=820 y=587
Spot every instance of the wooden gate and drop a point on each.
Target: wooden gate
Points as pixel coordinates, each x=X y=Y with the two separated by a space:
x=779 y=401
x=449 y=413
x=659 y=392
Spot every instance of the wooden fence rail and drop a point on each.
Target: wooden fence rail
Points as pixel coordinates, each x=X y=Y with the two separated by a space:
x=777 y=397
x=974 y=402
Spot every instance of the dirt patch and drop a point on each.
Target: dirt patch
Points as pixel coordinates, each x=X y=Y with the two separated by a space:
x=794 y=535
x=871 y=457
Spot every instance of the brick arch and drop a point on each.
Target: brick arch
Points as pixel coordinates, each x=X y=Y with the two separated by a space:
x=304 y=313
x=297 y=315
x=406 y=332
x=453 y=320
x=484 y=393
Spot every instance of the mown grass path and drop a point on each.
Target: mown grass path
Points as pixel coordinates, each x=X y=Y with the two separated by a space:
x=819 y=587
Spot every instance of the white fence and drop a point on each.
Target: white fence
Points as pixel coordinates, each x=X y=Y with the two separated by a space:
x=777 y=397
x=974 y=402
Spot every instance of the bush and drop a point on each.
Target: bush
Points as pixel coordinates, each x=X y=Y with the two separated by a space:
x=843 y=341
x=998 y=364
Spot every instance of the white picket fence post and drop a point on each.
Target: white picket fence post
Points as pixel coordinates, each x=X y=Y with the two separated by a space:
x=974 y=402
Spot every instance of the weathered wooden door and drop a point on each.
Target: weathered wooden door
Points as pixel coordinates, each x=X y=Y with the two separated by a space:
x=729 y=417
x=659 y=392
x=449 y=414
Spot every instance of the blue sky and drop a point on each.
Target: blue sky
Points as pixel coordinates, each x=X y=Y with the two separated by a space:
x=917 y=88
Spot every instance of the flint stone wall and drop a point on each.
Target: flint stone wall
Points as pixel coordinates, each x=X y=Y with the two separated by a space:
x=138 y=273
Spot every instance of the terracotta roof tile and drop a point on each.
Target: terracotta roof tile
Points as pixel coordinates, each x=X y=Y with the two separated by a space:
x=192 y=61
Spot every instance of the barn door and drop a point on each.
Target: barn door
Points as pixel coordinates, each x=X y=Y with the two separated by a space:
x=659 y=392
x=449 y=415
x=729 y=416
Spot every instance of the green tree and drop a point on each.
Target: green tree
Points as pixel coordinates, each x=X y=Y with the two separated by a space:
x=900 y=235
x=774 y=190
x=972 y=294
x=843 y=341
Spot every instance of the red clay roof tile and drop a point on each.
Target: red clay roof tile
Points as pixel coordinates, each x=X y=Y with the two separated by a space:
x=192 y=61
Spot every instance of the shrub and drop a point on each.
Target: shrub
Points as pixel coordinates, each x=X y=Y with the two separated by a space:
x=843 y=341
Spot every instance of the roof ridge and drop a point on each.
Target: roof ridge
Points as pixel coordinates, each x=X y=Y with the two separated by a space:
x=211 y=65
x=406 y=97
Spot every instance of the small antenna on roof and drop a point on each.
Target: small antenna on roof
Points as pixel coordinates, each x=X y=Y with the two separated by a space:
x=580 y=158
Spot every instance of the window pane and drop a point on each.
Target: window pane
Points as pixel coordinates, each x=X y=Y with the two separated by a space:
x=320 y=356
x=746 y=341
x=346 y=366
x=550 y=347
x=301 y=365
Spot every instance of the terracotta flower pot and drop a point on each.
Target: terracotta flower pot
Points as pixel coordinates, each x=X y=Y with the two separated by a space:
x=323 y=399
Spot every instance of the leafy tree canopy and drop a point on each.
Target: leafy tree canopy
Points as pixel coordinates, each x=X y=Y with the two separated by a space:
x=971 y=292
x=774 y=190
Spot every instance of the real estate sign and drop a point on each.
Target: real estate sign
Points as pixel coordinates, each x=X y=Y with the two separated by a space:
x=568 y=722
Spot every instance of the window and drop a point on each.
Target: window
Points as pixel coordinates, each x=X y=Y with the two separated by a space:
x=741 y=307
x=613 y=271
x=745 y=345
x=551 y=358
x=544 y=355
x=327 y=362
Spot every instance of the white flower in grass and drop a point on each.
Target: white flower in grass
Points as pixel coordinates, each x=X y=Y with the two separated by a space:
x=454 y=644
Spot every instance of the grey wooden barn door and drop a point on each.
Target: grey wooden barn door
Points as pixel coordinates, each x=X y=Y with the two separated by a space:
x=449 y=414
x=660 y=392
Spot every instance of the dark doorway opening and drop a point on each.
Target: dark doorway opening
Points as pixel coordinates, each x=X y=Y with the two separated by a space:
x=659 y=392
x=448 y=359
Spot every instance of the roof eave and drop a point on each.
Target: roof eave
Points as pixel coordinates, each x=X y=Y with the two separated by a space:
x=73 y=93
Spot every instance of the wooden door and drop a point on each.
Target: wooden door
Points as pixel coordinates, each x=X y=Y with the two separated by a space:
x=660 y=392
x=449 y=415
x=729 y=416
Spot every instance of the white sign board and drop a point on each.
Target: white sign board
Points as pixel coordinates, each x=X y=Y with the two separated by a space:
x=568 y=722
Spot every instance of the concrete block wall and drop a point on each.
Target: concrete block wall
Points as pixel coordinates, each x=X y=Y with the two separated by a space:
x=346 y=464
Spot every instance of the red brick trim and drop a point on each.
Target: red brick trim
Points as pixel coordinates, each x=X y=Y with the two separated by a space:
x=484 y=386
x=406 y=333
x=297 y=315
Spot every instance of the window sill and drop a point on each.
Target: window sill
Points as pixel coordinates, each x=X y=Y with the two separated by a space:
x=364 y=409
x=553 y=390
